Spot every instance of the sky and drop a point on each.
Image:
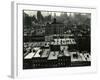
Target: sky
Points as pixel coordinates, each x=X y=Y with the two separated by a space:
x=45 y=13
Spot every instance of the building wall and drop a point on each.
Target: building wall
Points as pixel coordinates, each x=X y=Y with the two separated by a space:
x=54 y=29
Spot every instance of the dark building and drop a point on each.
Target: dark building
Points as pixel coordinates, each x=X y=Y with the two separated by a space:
x=54 y=28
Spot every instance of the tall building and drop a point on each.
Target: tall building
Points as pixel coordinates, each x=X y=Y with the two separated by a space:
x=54 y=28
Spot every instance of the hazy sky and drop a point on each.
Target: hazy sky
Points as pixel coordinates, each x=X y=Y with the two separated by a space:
x=46 y=13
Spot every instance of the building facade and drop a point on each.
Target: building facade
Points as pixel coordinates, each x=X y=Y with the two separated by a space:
x=54 y=28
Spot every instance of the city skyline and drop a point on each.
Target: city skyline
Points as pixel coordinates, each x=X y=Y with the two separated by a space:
x=53 y=13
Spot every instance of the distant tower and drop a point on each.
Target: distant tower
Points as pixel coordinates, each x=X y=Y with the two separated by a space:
x=54 y=21
x=54 y=15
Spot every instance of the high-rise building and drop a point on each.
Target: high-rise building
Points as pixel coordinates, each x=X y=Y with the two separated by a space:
x=54 y=28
